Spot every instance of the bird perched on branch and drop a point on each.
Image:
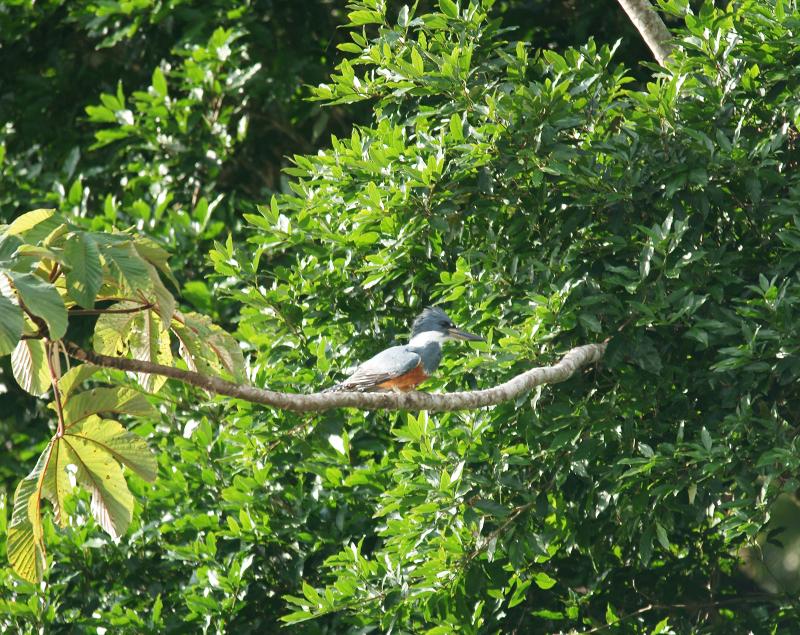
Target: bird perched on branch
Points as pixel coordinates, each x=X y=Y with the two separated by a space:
x=402 y=368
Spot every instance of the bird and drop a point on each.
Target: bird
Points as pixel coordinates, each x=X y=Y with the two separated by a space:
x=403 y=368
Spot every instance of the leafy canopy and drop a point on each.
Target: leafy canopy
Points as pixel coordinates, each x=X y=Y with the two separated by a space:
x=549 y=201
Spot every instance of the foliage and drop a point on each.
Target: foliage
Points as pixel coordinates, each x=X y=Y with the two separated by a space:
x=547 y=201
x=50 y=268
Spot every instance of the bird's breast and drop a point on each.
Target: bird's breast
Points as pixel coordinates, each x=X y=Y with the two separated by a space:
x=408 y=381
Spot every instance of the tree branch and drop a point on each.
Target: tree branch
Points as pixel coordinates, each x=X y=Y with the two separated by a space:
x=136 y=309
x=567 y=366
x=651 y=27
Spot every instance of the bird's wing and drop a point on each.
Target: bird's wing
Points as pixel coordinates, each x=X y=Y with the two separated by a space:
x=386 y=365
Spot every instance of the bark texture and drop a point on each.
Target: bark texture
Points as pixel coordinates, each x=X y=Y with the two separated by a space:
x=651 y=27
x=568 y=365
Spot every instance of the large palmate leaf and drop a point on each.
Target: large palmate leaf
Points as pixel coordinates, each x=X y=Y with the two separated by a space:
x=8 y=249
x=206 y=347
x=85 y=273
x=96 y=447
x=43 y=300
x=98 y=472
x=29 y=365
x=57 y=484
x=11 y=323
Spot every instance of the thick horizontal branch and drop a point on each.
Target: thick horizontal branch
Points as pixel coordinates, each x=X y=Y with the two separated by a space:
x=574 y=360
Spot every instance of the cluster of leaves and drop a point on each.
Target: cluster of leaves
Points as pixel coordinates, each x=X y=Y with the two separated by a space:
x=548 y=200
x=559 y=205
x=50 y=271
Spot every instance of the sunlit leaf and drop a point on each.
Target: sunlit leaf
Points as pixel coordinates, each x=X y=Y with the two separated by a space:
x=46 y=219
x=129 y=267
x=25 y=544
x=11 y=324
x=29 y=365
x=126 y=447
x=74 y=377
x=149 y=342
x=112 y=330
x=101 y=474
x=206 y=347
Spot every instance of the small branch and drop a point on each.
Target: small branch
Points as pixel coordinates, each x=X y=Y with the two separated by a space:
x=690 y=606
x=136 y=309
x=567 y=366
x=651 y=27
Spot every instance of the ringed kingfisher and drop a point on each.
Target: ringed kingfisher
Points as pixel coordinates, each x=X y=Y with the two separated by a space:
x=402 y=368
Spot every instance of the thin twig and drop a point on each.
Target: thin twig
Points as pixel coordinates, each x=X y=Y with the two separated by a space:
x=143 y=307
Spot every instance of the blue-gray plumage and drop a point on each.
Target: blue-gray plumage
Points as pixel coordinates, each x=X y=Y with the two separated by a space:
x=403 y=367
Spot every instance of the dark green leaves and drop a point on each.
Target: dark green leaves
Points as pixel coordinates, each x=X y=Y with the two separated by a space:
x=42 y=300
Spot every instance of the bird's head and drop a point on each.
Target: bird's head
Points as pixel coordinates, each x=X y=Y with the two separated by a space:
x=433 y=324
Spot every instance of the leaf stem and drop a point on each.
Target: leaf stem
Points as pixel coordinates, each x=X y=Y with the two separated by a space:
x=143 y=307
x=51 y=348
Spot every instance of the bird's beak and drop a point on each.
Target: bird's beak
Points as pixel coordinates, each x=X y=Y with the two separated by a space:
x=463 y=335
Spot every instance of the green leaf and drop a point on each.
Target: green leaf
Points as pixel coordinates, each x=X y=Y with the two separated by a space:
x=206 y=348
x=705 y=438
x=112 y=330
x=131 y=269
x=544 y=581
x=111 y=437
x=156 y=256
x=74 y=377
x=85 y=273
x=56 y=484
x=9 y=246
x=42 y=299
x=449 y=8
x=159 y=82
x=165 y=302
x=116 y=400
x=456 y=128
x=661 y=534
x=101 y=475
x=29 y=365
x=25 y=544
x=149 y=342
x=416 y=61
x=28 y=221
x=11 y=324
